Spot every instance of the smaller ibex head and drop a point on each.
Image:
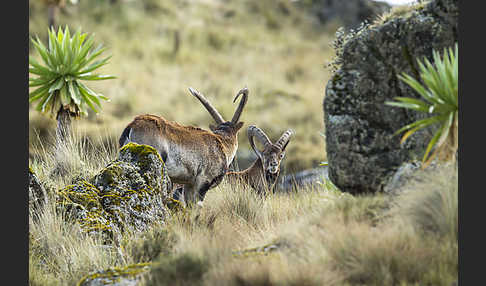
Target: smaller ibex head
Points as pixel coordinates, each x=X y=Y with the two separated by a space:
x=272 y=154
x=222 y=126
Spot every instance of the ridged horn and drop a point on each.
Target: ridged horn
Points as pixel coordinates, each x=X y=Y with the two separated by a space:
x=284 y=139
x=243 y=101
x=214 y=113
x=254 y=131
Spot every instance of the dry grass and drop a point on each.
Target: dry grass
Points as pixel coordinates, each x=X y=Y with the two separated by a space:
x=313 y=236
x=224 y=46
x=322 y=236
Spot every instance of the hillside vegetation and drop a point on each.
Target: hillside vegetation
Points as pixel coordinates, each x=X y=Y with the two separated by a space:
x=274 y=48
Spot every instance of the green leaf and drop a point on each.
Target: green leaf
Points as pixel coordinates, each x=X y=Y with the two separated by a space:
x=95 y=65
x=64 y=94
x=41 y=49
x=38 y=93
x=89 y=94
x=423 y=123
x=431 y=144
x=83 y=52
x=96 y=52
x=410 y=103
x=40 y=81
x=42 y=106
x=87 y=100
x=89 y=76
x=74 y=92
x=57 y=85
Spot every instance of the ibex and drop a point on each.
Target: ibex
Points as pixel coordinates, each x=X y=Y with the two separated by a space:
x=195 y=158
x=263 y=173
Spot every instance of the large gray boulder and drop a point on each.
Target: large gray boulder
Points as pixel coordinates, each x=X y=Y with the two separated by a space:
x=129 y=194
x=361 y=149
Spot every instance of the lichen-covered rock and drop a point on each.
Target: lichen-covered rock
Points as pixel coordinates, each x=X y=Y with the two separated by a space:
x=361 y=149
x=129 y=194
x=37 y=193
x=116 y=276
x=302 y=179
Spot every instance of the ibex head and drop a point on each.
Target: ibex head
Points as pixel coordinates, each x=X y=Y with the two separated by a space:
x=224 y=127
x=272 y=154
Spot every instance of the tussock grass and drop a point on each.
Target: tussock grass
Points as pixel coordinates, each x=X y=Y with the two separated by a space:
x=313 y=236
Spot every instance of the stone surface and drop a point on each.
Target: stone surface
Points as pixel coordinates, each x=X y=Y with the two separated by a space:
x=302 y=179
x=361 y=149
x=37 y=193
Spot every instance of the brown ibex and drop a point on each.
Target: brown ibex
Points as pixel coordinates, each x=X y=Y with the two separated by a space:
x=262 y=175
x=194 y=157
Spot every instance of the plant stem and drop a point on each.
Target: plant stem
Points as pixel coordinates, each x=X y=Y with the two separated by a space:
x=63 y=124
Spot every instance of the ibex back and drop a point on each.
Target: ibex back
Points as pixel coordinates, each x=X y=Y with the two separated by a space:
x=194 y=157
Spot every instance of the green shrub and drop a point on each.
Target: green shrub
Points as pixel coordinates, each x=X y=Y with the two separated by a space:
x=440 y=94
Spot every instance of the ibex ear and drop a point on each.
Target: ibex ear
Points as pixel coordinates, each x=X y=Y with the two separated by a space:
x=239 y=125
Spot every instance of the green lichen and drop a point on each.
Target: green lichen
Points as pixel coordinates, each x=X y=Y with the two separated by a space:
x=83 y=193
x=256 y=251
x=111 y=174
x=115 y=274
x=175 y=205
x=141 y=150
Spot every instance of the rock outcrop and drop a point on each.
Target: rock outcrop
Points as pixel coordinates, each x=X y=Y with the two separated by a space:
x=37 y=193
x=306 y=178
x=129 y=194
x=361 y=149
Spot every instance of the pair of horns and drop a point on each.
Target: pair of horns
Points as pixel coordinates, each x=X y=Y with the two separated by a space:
x=214 y=113
x=254 y=131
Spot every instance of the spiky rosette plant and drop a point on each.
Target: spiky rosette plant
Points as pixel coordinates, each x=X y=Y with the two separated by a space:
x=67 y=62
x=440 y=100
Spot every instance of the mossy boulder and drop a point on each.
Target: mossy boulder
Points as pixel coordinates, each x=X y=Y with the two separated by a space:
x=362 y=150
x=37 y=193
x=129 y=194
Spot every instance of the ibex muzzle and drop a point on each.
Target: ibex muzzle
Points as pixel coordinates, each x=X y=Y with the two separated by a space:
x=262 y=175
x=194 y=157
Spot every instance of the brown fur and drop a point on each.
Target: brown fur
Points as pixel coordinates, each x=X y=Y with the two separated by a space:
x=257 y=175
x=194 y=157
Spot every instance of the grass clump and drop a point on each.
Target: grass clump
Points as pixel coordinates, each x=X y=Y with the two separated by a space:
x=178 y=270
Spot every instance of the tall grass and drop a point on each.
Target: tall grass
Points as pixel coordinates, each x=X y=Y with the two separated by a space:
x=312 y=236
x=59 y=252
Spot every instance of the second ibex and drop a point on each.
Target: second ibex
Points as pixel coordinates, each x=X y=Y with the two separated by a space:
x=194 y=157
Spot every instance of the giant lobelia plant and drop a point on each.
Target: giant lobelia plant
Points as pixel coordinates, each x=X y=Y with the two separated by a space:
x=439 y=99
x=67 y=62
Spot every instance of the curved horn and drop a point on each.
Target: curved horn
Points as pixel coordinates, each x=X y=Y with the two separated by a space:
x=214 y=113
x=260 y=135
x=243 y=101
x=284 y=139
